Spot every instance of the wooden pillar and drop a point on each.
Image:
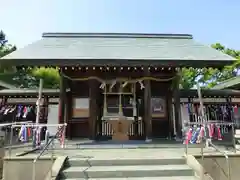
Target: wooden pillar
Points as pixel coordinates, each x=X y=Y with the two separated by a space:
x=69 y=109
x=170 y=114
x=177 y=107
x=62 y=98
x=147 y=106
x=66 y=100
x=45 y=106
x=93 y=107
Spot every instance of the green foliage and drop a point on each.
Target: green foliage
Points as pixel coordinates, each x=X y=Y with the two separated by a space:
x=5 y=49
x=20 y=79
x=228 y=71
x=209 y=77
x=29 y=78
x=25 y=78
x=50 y=76
x=188 y=77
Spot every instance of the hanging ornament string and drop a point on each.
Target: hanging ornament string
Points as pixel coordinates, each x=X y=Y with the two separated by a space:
x=118 y=79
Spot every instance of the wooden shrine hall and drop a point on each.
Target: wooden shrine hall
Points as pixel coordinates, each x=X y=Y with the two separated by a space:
x=120 y=86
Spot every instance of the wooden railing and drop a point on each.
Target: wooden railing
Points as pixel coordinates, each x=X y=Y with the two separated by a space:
x=136 y=130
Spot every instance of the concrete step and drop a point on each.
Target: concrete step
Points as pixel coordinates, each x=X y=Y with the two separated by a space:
x=73 y=162
x=127 y=171
x=142 y=178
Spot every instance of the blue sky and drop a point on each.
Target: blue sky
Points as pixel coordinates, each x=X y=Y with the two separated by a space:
x=209 y=21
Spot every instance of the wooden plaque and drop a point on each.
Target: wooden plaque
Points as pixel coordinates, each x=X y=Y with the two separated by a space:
x=158 y=106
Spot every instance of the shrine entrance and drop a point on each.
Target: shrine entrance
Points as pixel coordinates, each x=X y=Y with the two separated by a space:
x=126 y=106
x=119 y=100
x=120 y=114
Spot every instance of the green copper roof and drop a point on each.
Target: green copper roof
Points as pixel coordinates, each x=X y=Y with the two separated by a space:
x=216 y=93
x=183 y=93
x=117 y=49
x=28 y=92
x=6 y=85
x=229 y=84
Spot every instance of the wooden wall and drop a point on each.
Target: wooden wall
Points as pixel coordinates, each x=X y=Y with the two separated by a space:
x=162 y=122
x=78 y=126
x=86 y=127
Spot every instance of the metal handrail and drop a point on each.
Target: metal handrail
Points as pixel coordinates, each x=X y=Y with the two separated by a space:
x=210 y=122
x=44 y=149
x=216 y=163
x=13 y=125
x=225 y=155
x=208 y=142
x=217 y=149
x=26 y=124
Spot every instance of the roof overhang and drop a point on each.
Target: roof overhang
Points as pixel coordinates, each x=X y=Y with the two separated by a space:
x=28 y=92
x=232 y=83
x=117 y=49
x=214 y=93
x=118 y=62
x=6 y=85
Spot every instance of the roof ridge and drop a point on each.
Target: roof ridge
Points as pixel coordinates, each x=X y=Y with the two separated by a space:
x=227 y=83
x=230 y=79
x=6 y=85
x=118 y=35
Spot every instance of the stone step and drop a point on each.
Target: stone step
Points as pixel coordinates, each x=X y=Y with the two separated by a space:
x=127 y=171
x=141 y=178
x=72 y=162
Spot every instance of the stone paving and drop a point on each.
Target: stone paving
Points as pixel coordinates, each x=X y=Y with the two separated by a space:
x=121 y=151
x=86 y=150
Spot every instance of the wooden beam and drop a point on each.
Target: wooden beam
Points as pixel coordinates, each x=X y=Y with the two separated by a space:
x=62 y=98
x=170 y=112
x=147 y=106
x=69 y=109
x=93 y=107
x=176 y=96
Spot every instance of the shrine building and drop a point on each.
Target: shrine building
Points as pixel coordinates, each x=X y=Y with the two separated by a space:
x=134 y=78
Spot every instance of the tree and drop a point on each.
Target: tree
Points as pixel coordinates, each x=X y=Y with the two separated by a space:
x=228 y=71
x=188 y=79
x=27 y=77
x=5 y=49
x=11 y=74
x=50 y=76
x=209 y=77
